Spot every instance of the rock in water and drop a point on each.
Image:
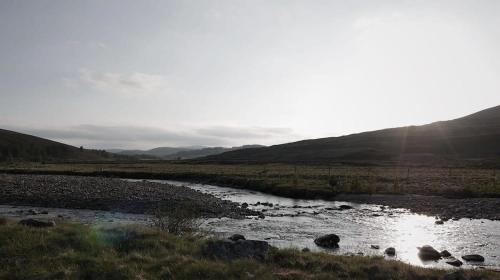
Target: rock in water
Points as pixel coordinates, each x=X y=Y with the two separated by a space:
x=244 y=205
x=427 y=253
x=330 y=241
x=473 y=258
x=228 y=250
x=445 y=254
x=376 y=247
x=345 y=207
x=236 y=237
x=36 y=223
x=390 y=251
x=454 y=262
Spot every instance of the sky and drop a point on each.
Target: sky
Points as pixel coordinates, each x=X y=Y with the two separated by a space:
x=143 y=74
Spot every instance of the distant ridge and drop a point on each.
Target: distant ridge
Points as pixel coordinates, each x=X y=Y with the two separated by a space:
x=170 y=153
x=473 y=137
x=16 y=146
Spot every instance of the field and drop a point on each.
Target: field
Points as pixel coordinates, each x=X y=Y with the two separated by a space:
x=298 y=181
x=75 y=251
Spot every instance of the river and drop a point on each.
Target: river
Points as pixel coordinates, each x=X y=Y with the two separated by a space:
x=295 y=223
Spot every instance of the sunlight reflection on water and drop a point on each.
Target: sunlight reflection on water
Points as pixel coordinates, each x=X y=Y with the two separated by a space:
x=295 y=223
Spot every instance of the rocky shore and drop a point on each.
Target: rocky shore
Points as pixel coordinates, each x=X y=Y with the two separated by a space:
x=117 y=195
x=444 y=208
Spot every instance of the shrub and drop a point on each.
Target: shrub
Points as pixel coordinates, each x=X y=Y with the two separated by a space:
x=177 y=221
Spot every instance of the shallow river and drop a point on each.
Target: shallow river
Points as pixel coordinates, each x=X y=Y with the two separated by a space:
x=295 y=223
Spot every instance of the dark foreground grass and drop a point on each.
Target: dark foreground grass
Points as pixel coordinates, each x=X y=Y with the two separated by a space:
x=74 y=251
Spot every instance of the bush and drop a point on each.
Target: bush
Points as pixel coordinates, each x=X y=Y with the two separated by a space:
x=176 y=221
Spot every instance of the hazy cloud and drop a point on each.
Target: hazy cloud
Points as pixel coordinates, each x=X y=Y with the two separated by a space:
x=140 y=137
x=136 y=83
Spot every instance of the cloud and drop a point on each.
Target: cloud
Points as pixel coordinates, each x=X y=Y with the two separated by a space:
x=141 y=137
x=133 y=84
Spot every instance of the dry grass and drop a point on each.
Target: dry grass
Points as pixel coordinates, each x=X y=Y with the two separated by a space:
x=73 y=251
x=303 y=180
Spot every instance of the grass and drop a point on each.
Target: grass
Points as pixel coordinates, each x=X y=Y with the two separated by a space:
x=298 y=181
x=75 y=251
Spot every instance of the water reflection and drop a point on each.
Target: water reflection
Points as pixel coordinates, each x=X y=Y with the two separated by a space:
x=295 y=223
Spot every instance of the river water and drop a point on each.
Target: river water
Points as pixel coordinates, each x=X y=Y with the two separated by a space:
x=295 y=223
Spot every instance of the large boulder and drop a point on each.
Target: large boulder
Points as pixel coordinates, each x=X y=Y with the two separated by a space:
x=330 y=241
x=37 y=223
x=473 y=258
x=427 y=253
x=228 y=250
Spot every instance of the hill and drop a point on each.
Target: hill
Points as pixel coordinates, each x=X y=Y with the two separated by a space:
x=170 y=153
x=474 y=137
x=16 y=146
x=190 y=154
x=159 y=152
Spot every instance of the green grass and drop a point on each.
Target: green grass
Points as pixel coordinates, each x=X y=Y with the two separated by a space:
x=299 y=181
x=74 y=251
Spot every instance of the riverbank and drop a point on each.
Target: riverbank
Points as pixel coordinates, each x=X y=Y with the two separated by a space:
x=441 y=207
x=116 y=195
x=74 y=251
x=449 y=207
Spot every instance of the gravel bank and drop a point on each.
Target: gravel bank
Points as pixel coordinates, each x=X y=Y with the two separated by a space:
x=111 y=195
x=445 y=208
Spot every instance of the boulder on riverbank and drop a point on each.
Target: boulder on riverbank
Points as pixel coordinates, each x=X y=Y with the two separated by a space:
x=428 y=253
x=228 y=250
x=330 y=241
x=473 y=258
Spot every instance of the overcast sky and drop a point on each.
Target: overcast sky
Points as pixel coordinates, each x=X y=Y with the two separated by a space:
x=141 y=74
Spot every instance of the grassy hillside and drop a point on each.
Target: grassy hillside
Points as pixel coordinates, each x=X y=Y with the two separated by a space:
x=16 y=146
x=73 y=251
x=474 y=137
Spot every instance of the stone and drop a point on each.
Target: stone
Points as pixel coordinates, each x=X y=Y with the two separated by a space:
x=229 y=250
x=390 y=251
x=445 y=254
x=330 y=241
x=376 y=247
x=439 y=222
x=345 y=207
x=427 y=253
x=473 y=258
x=236 y=237
x=454 y=262
x=37 y=223
x=244 y=205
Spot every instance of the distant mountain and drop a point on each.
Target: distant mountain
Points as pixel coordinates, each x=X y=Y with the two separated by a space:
x=170 y=153
x=474 y=137
x=207 y=152
x=16 y=146
x=159 y=152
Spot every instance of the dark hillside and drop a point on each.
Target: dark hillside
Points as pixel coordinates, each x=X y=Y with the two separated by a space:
x=16 y=146
x=474 y=137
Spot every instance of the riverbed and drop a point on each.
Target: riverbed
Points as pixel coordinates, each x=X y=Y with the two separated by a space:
x=295 y=223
